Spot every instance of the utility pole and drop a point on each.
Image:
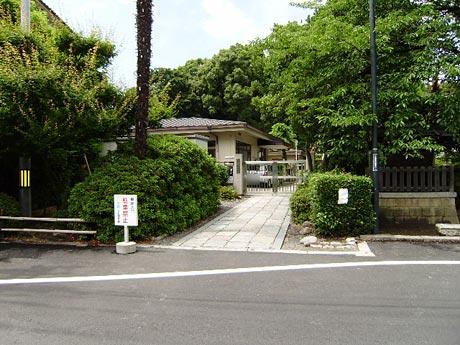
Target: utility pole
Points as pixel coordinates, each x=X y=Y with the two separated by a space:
x=25 y=193
x=25 y=16
x=375 y=152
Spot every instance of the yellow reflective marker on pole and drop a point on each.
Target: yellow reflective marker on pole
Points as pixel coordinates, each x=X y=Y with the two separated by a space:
x=24 y=181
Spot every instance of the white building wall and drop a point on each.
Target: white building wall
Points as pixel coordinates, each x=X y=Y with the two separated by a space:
x=227 y=144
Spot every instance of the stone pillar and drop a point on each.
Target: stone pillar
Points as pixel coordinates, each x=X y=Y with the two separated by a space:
x=239 y=174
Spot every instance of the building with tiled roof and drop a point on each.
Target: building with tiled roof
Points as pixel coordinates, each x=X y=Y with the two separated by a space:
x=222 y=138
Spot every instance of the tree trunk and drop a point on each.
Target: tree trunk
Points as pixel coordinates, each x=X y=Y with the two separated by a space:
x=325 y=162
x=309 y=160
x=144 y=31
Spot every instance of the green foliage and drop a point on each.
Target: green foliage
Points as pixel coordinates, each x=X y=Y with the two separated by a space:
x=282 y=131
x=331 y=219
x=221 y=87
x=9 y=206
x=228 y=193
x=177 y=185
x=161 y=106
x=321 y=72
x=223 y=174
x=56 y=102
x=300 y=204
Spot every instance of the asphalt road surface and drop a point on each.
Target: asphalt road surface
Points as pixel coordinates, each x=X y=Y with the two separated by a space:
x=381 y=304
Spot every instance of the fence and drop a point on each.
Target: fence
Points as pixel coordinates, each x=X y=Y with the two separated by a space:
x=274 y=176
x=417 y=179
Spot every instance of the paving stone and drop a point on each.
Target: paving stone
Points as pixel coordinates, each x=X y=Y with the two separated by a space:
x=214 y=244
x=237 y=245
x=255 y=223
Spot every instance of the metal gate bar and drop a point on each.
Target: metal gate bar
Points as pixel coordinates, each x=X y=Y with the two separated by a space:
x=274 y=176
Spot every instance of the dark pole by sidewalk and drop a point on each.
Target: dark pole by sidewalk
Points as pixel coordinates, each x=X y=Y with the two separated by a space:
x=375 y=153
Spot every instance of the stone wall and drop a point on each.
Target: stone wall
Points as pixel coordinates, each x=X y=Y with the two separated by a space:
x=425 y=208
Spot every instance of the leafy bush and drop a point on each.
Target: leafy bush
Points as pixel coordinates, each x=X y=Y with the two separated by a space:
x=316 y=201
x=300 y=204
x=330 y=219
x=228 y=193
x=9 y=206
x=176 y=186
x=223 y=174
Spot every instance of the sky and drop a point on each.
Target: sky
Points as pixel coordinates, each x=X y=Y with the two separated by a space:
x=182 y=29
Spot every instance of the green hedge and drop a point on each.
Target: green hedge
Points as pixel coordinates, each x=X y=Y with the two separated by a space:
x=300 y=204
x=177 y=185
x=317 y=202
x=9 y=206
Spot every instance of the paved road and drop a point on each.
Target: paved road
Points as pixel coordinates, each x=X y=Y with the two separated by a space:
x=354 y=305
x=258 y=223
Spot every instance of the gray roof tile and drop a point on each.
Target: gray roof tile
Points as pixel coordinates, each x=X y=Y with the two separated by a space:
x=197 y=122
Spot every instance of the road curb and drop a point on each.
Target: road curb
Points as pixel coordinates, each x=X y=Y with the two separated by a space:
x=407 y=238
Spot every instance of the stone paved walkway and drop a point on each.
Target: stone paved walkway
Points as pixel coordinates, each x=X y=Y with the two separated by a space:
x=257 y=223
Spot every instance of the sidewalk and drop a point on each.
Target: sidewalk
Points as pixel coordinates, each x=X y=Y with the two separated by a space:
x=258 y=223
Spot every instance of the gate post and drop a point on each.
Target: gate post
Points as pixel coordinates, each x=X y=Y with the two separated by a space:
x=275 y=177
x=239 y=174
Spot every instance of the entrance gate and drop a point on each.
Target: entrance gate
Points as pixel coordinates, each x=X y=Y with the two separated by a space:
x=256 y=177
x=274 y=176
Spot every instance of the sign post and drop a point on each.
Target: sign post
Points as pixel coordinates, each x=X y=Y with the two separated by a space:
x=125 y=213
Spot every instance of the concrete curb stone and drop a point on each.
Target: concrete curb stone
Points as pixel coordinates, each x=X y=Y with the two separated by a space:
x=407 y=238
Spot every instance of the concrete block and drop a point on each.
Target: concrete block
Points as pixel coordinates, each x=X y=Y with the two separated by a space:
x=126 y=247
x=415 y=212
x=448 y=229
x=431 y=219
x=427 y=211
x=439 y=211
x=398 y=212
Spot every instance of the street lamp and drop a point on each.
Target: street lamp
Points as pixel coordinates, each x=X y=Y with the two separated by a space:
x=375 y=152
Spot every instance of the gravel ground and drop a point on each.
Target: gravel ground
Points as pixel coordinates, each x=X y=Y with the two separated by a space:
x=292 y=239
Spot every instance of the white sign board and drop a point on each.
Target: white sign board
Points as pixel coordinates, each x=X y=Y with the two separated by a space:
x=125 y=209
x=375 y=162
x=343 y=196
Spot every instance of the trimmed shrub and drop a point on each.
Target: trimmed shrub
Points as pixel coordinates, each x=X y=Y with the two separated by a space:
x=9 y=206
x=223 y=173
x=176 y=186
x=300 y=204
x=330 y=219
x=228 y=193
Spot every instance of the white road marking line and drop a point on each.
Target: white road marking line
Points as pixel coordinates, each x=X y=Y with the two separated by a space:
x=220 y=272
x=364 y=250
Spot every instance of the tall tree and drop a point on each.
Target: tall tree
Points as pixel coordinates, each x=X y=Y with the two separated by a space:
x=144 y=52
x=56 y=102
x=320 y=79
